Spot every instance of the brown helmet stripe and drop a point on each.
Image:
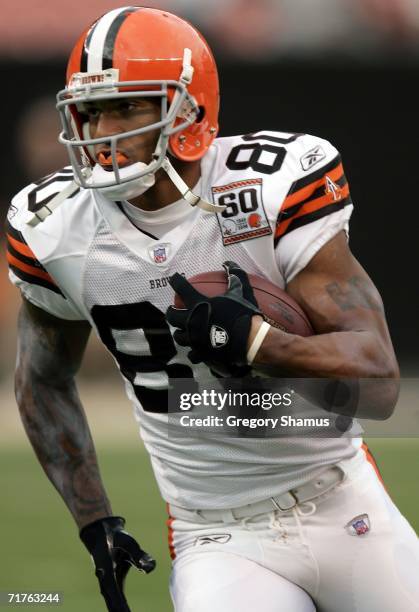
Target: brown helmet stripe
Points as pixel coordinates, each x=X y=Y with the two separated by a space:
x=108 y=47
x=86 y=45
x=98 y=47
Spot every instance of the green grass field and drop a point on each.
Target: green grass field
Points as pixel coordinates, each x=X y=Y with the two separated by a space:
x=40 y=546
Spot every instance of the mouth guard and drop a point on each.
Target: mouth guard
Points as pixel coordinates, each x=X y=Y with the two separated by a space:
x=106 y=160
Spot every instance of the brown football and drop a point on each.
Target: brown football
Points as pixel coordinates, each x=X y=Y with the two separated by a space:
x=279 y=308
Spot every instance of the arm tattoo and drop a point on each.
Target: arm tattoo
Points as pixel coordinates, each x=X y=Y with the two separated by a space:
x=356 y=294
x=54 y=418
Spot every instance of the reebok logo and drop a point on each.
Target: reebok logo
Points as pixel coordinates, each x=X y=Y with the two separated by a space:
x=216 y=538
x=312 y=157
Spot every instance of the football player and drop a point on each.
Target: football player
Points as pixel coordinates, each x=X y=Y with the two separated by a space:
x=151 y=197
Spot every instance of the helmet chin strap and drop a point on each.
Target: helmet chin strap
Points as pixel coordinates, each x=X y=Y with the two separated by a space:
x=186 y=193
x=136 y=187
x=124 y=191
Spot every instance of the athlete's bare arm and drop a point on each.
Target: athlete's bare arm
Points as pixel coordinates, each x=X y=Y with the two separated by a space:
x=346 y=311
x=49 y=354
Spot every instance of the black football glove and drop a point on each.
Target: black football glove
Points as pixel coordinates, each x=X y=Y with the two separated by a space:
x=216 y=328
x=114 y=551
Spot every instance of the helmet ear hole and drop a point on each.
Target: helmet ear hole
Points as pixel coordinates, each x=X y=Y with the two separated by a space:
x=201 y=114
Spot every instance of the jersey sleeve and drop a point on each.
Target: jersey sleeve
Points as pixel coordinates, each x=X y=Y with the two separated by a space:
x=316 y=208
x=28 y=274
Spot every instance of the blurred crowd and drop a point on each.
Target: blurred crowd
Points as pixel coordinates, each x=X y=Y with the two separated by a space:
x=246 y=29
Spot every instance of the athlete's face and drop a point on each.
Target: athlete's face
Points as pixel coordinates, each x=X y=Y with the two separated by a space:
x=110 y=117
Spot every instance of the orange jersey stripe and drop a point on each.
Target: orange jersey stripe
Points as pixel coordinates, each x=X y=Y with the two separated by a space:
x=170 y=534
x=371 y=460
x=20 y=247
x=29 y=269
x=305 y=192
x=310 y=207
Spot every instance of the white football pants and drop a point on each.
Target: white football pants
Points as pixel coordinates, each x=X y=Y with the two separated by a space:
x=318 y=556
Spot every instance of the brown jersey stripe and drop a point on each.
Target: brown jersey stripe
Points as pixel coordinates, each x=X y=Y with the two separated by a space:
x=34 y=280
x=323 y=200
x=32 y=275
x=20 y=247
x=29 y=269
x=309 y=207
x=321 y=212
x=12 y=231
x=27 y=260
x=319 y=192
x=305 y=192
x=314 y=176
x=307 y=216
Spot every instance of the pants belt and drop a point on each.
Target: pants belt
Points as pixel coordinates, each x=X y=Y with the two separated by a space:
x=284 y=502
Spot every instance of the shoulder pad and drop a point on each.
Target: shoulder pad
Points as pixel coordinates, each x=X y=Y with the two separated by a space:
x=24 y=262
x=317 y=185
x=35 y=201
x=65 y=231
x=48 y=193
x=307 y=154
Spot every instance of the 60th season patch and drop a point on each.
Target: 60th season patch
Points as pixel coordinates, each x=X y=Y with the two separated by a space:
x=245 y=217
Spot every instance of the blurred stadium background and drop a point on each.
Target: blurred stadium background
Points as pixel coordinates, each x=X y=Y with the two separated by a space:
x=342 y=69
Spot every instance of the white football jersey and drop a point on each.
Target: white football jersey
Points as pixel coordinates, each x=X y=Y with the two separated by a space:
x=286 y=196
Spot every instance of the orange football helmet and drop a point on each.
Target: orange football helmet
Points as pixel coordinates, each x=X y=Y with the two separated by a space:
x=134 y=52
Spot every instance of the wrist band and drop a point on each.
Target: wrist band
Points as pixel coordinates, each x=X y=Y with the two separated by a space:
x=257 y=341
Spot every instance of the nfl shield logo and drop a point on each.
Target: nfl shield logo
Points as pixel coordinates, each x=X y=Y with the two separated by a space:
x=359 y=526
x=159 y=254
